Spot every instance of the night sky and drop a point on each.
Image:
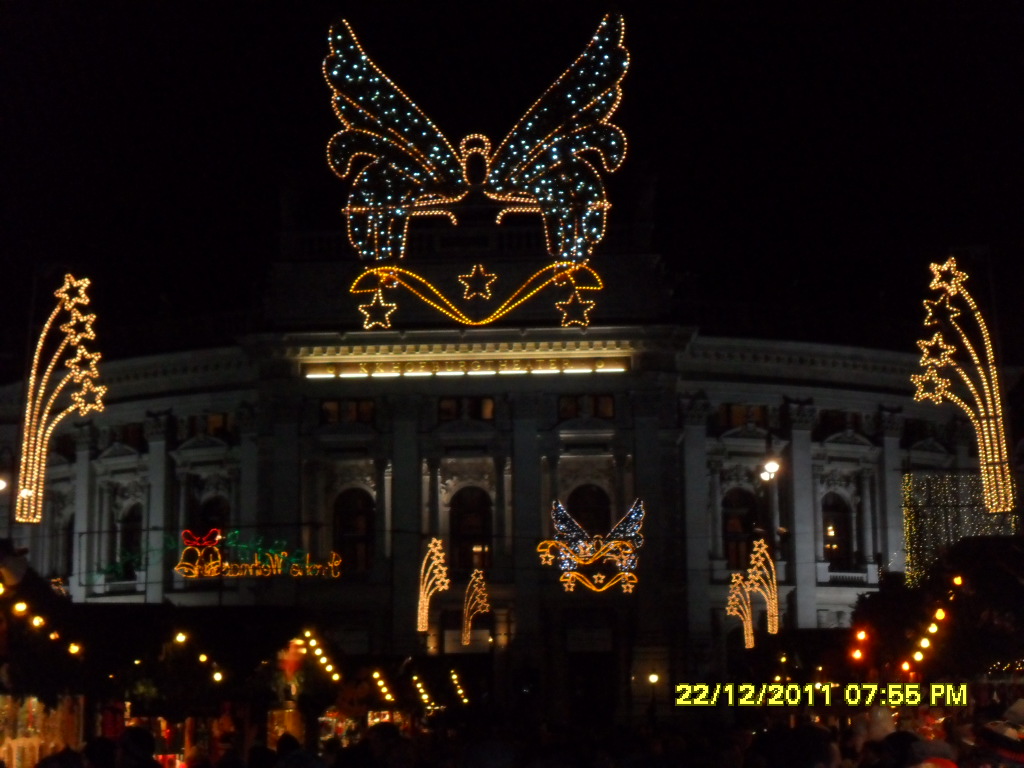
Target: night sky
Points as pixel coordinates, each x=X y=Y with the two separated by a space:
x=806 y=161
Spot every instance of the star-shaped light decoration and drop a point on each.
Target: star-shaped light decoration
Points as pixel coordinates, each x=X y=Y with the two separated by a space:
x=569 y=584
x=84 y=364
x=377 y=312
x=929 y=386
x=598 y=578
x=575 y=310
x=78 y=327
x=936 y=352
x=89 y=398
x=947 y=277
x=547 y=559
x=67 y=301
x=627 y=587
x=939 y=309
x=477 y=282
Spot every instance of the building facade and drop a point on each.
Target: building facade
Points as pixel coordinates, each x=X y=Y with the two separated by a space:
x=370 y=443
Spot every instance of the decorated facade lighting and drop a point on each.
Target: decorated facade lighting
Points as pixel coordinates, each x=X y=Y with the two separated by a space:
x=577 y=548
x=761 y=578
x=474 y=603
x=46 y=388
x=433 y=578
x=979 y=394
x=403 y=166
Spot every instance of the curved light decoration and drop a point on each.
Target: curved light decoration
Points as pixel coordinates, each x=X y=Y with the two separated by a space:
x=474 y=603
x=979 y=396
x=550 y=163
x=761 y=578
x=45 y=388
x=433 y=578
x=738 y=605
x=576 y=548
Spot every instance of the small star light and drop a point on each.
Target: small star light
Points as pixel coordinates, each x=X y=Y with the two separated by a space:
x=89 y=398
x=477 y=283
x=67 y=301
x=936 y=352
x=574 y=310
x=938 y=309
x=377 y=312
x=946 y=277
x=74 y=333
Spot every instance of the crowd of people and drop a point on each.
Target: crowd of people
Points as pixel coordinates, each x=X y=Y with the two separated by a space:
x=867 y=741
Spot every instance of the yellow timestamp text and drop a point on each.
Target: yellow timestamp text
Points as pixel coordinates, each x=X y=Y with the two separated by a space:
x=821 y=694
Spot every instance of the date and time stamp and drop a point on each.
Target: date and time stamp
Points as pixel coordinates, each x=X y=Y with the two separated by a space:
x=821 y=694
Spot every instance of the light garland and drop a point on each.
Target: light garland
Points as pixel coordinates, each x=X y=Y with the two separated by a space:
x=980 y=380
x=940 y=509
x=42 y=394
x=382 y=687
x=738 y=605
x=433 y=578
x=457 y=684
x=474 y=603
x=403 y=165
x=376 y=280
x=575 y=547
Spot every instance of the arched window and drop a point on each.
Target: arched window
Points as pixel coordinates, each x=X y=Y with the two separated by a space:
x=740 y=520
x=352 y=529
x=214 y=512
x=129 y=545
x=837 y=532
x=591 y=507
x=470 y=526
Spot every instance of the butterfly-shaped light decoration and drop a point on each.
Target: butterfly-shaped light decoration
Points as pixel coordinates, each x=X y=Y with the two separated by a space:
x=574 y=547
x=550 y=163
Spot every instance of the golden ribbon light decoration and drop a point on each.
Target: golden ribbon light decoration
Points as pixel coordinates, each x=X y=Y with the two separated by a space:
x=979 y=378
x=575 y=310
x=433 y=578
x=474 y=603
x=44 y=390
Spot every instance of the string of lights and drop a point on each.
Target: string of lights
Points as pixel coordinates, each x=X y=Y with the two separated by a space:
x=738 y=605
x=474 y=603
x=433 y=578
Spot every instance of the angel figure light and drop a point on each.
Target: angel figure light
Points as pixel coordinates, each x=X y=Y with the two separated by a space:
x=550 y=163
x=576 y=548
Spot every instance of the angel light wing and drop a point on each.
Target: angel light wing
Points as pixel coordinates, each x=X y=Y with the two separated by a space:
x=402 y=163
x=628 y=528
x=543 y=164
x=569 y=533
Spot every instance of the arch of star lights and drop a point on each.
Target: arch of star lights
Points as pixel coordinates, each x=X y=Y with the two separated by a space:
x=550 y=163
x=760 y=579
x=45 y=389
x=474 y=603
x=979 y=394
x=433 y=578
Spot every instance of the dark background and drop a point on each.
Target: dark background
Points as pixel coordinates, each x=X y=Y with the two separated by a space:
x=803 y=162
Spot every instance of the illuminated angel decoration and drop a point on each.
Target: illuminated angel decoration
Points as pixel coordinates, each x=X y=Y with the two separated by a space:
x=45 y=390
x=551 y=163
x=575 y=547
x=978 y=393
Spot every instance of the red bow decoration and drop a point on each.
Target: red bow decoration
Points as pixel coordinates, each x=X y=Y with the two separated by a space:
x=209 y=540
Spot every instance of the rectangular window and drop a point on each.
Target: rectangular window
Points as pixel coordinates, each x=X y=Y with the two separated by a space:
x=447 y=409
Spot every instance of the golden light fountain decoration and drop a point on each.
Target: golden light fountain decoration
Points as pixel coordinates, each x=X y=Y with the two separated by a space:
x=951 y=348
x=576 y=548
x=433 y=578
x=738 y=605
x=46 y=389
x=474 y=603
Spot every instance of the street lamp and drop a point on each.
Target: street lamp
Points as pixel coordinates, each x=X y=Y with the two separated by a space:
x=653 y=680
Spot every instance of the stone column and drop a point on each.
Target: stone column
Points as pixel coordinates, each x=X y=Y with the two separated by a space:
x=86 y=520
x=894 y=554
x=157 y=430
x=867 y=517
x=406 y=550
x=806 y=535
x=714 y=509
x=701 y=538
